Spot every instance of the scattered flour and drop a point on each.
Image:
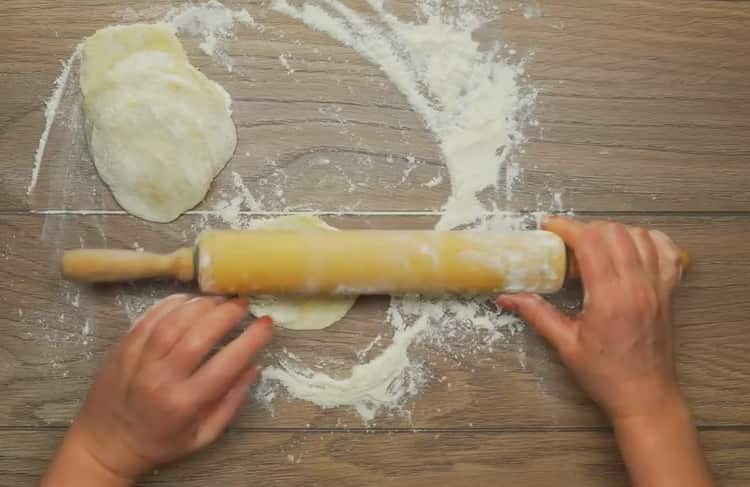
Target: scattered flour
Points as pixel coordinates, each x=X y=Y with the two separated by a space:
x=284 y=60
x=474 y=102
x=50 y=113
x=476 y=106
x=229 y=210
x=386 y=380
x=436 y=181
x=532 y=11
x=87 y=328
x=471 y=99
x=213 y=22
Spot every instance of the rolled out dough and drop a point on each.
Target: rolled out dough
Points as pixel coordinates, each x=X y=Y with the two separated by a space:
x=301 y=312
x=158 y=130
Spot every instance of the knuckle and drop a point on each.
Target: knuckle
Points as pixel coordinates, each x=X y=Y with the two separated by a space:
x=162 y=338
x=154 y=389
x=645 y=301
x=171 y=402
x=176 y=403
x=192 y=343
x=149 y=384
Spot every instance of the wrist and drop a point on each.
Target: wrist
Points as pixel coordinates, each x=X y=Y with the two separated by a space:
x=643 y=398
x=75 y=464
x=670 y=421
x=663 y=448
x=669 y=408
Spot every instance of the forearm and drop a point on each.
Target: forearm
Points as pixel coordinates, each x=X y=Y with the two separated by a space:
x=74 y=466
x=663 y=450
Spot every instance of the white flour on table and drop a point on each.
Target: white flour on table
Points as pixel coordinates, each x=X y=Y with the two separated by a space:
x=473 y=101
x=476 y=105
x=211 y=21
x=50 y=112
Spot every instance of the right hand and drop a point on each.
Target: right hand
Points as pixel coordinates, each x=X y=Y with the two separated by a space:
x=620 y=346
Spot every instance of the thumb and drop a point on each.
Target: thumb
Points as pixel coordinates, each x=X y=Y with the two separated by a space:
x=547 y=320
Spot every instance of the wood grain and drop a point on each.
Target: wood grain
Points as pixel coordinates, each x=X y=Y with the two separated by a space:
x=643 y=111
x=51 y=363
x=416 y=459
x=635 y=100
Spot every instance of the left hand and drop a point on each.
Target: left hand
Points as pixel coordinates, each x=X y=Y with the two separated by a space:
x=161 y=396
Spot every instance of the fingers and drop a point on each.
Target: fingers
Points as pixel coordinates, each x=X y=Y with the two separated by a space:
x=198 y=340
x=225 y=411
x=588 y=245
x=170 y=328
x=145 y=324
x=622 y=249
x=646 y=250
x=215 y=377
x=571 y=231
x=670 y=267
x=547 y=320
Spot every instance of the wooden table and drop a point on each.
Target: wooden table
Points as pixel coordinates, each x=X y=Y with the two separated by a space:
x=644 y=113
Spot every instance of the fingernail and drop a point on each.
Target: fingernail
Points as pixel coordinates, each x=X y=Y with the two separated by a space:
x=505 y=303
x=266 y=320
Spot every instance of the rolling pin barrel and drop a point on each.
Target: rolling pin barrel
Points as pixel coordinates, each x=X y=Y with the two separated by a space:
x=379 y=262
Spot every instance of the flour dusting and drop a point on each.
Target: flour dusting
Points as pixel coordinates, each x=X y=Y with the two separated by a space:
x=229 y=209
x=213 y=22
x=50 y=112
x=384 y=381
x=472 y=100
x=476 y=105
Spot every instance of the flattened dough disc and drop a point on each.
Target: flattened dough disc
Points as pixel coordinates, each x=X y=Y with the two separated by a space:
x=301 y=313
x=158 y=130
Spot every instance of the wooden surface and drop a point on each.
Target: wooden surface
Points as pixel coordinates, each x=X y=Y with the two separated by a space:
x=644 y=116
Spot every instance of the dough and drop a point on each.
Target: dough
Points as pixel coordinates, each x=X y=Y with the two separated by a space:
x=301 y=313
x=158 y=130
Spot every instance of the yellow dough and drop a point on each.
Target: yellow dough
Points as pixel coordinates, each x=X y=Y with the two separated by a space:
x=158 y=130
x=301 y=313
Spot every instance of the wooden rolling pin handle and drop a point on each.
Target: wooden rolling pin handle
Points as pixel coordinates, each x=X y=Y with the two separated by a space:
x=573 y=272
x=127 y=265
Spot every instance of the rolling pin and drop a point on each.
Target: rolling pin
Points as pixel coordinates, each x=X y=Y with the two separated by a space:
x=344 y=262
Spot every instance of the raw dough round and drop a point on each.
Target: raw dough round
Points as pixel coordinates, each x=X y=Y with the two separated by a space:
x=301 y=312
x=158 y=130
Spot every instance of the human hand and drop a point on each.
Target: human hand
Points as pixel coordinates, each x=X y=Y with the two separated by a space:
x=160 y=396
x=620 y=346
